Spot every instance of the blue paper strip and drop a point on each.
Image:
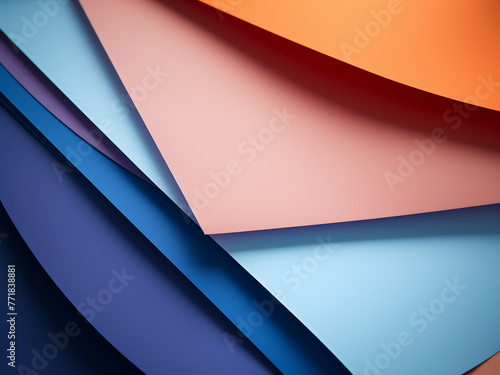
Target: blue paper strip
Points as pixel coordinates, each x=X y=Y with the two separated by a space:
x=280 y=336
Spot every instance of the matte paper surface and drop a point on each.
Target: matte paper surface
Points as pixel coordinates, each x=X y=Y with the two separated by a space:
x=58 y=104
x=440 y=47
x=57 y=37
x=282 y=338
x=262 y=133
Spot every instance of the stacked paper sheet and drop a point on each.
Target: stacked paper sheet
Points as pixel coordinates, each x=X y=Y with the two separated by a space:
x=292 y=187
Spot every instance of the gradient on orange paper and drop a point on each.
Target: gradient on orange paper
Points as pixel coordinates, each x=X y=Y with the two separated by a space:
x=437 y=46
x=331 y=138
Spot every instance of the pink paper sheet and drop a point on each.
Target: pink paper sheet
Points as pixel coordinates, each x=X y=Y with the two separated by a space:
x=262 y=133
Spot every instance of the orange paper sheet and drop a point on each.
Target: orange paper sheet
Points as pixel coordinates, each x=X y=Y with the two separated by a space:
x=261 y=133
x=438 y=46
x=490 y=367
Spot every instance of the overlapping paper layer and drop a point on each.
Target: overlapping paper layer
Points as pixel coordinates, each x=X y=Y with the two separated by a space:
x=261 y=132
x=440 y=48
